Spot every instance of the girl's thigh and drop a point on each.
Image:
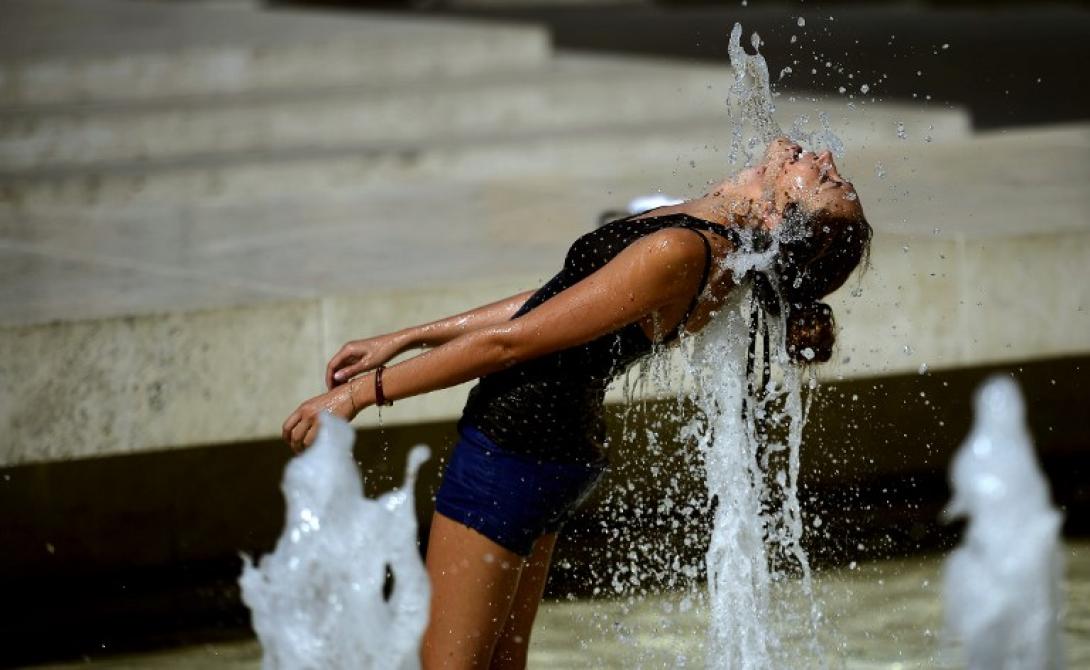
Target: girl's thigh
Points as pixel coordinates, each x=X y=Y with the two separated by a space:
x=512 y=649
x=473 y=582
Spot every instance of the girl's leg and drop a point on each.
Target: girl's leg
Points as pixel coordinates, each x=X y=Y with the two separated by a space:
x=510 y=652
x=473 y=581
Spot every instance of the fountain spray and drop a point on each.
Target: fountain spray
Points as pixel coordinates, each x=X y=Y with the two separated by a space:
x=319 y=600
x=1002 y=585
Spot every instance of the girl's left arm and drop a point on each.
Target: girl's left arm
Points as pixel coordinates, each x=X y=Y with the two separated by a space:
x=660 y=269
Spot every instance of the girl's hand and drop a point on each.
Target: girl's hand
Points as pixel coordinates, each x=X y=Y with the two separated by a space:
x=360 y=356
x=301 y=427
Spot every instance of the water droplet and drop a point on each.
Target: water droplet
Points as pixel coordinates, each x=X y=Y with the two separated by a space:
x=864 y=89
x=922 y=369
x=901 y=134
x=801 y=22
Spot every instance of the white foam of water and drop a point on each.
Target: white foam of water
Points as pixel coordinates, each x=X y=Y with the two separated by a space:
x=752 y=475
x=752 y=460
x=317 y=600
x=749 y=100
x=1002 y=585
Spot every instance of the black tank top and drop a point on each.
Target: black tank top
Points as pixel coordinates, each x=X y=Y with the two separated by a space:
x=552 y=407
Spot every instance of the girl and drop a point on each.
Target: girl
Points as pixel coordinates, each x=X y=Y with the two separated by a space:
x=531 y=434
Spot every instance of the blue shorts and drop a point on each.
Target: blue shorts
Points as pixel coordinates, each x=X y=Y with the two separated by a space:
x=510 y=498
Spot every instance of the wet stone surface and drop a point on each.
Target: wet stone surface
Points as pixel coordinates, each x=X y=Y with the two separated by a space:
x=884 y=614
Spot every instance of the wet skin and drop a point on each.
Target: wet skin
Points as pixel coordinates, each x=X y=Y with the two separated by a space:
x=652 y=282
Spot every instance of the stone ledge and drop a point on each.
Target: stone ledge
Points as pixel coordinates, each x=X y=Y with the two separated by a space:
x=83 y=389
x=115 y=386
x=567 y=94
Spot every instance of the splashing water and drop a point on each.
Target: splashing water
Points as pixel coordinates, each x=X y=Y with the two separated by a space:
x=763 y=612
x=751 y=446
x=749 y=102
x=318 y=600
x=1002 y=585
x=751 y=108
x=752 y=461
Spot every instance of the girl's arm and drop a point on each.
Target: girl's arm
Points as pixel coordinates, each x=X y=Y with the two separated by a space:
x=360 y=356
x=663 y=269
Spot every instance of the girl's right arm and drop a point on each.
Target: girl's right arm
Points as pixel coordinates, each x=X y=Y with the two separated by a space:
x=367 y=354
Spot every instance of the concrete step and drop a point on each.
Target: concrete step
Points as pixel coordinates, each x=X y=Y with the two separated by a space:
x=64 y=51
x=695 y=145
x=568 y=92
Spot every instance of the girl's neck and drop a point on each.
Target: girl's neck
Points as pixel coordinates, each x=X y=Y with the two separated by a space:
x=725 y=204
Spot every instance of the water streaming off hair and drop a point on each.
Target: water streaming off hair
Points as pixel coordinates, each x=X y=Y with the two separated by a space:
x=743 y=532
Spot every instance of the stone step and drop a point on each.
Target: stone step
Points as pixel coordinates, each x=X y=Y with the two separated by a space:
x=569 y=92
x=566 y=92
x=696 y=145
x=61 y=51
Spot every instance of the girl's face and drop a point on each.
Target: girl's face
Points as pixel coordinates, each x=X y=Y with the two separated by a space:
x=791 y=175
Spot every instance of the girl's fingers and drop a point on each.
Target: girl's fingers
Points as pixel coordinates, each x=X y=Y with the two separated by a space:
x=352 y=365
x=285 y=430
x=331 y=370
x=353 y=370
x=298 y=433
x=312 y=432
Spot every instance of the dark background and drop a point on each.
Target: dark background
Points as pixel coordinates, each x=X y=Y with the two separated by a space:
x=112 y=575
x=1009 y=63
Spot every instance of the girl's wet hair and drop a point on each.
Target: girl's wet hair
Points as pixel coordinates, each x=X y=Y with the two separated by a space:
x=817 y=252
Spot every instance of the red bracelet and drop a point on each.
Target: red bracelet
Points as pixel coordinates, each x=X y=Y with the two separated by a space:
x=380 y=397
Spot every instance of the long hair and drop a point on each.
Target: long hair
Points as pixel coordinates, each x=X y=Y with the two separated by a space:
x=817 y=252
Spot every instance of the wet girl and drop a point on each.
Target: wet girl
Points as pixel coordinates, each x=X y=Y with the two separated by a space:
x=532 y=430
